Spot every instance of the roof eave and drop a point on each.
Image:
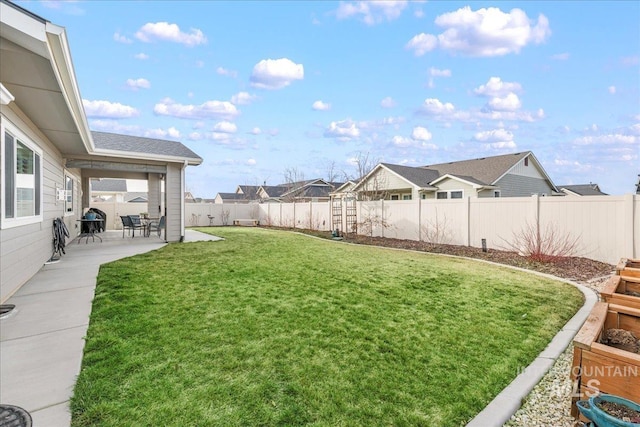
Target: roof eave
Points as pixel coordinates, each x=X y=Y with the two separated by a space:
x=191 y=161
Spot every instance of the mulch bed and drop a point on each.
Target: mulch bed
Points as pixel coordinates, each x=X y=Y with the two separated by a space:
x=572 y=268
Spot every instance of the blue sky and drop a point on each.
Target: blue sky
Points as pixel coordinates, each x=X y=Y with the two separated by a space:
x=256 y=88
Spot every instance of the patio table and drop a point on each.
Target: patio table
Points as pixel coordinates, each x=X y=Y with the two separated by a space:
x=92 y=225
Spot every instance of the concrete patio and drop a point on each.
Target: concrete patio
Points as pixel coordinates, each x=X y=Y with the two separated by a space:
x=42 y=339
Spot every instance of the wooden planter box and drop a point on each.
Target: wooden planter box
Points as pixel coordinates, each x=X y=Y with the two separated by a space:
x=628 y=267
x=599 y=368
x=615 y=289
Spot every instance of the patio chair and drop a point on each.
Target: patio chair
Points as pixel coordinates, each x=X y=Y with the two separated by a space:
x=137 y=224
x=158 y=227
x=127 y=224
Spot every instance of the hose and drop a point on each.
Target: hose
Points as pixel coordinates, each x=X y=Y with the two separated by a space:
x=60 y=233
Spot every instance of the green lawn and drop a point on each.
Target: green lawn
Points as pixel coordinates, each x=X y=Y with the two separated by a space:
x=274 y=328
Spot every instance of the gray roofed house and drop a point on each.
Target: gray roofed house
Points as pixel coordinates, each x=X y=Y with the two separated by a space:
x=143 y=145
x=136 y=197
x=109 y=185
x=582 y=190
x=249 y=192
x=231 y=198
x=508 y=175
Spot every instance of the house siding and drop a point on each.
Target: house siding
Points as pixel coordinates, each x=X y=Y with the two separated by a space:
x=25 y=249
x=174 y=220
x=512 y=185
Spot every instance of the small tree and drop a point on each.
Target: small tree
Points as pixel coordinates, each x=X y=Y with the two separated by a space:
x=372 y=217
x=544 y=244
x=225 y=216
x=437 y=231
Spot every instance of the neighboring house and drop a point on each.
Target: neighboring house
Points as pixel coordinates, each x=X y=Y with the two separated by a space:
x=271 y=193
x=638 y=186
x=510 y=175
x=315 y=190
x=582 y=190
x=113 y=190
x=231 y=198
x=136 y=197
x=248 y=192
x=49 y=154
x=345 y=190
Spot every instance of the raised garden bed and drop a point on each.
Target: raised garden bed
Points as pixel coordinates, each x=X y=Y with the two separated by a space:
x=628 y=267
x=622 y=290
x=605 y=359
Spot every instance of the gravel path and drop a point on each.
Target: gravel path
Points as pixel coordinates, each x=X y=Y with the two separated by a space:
x=549 y=402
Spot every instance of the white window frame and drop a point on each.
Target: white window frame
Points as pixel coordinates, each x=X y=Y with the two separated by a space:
x=446 y=195
x=397 y=197
x=74 y=180
x=8 y=127
x=407 y=197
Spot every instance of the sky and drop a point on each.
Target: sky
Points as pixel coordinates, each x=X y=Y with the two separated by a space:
x=264 y=87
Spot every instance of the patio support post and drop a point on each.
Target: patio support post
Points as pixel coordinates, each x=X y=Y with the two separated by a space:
x=86 y=192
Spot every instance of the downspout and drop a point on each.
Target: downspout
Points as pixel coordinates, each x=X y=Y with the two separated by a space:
x=182 y=210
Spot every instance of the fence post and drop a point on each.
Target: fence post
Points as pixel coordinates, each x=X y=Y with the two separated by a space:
x=382 y=223
x=419 y=219
x=628 y=231
x=310 y=215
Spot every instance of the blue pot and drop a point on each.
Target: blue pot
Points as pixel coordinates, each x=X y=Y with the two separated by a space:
x=589 y=409
x=90 y=215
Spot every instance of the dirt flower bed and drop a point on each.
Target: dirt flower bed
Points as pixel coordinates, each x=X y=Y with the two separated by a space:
x=578 y=269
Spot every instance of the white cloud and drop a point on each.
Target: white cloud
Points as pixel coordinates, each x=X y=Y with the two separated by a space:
x=563 y=129
x=401 y=141
x=243 y=98
x=276 y=73
x=419 y=13
x=501 y=145
x=615 y=138
x=422 y=43
x=163 y=133
x=195 y=136
x=163 y=31
x=493 y=136
x=207 y=110
x=495 y=87
x=256 y=131
x=225 y=72
x=435 y=72
x=434 y=106
x=388 y=102
x=121 y=38
x=251 y=162
x=136 y=84
x=420 y=133
x=371 y=12
x=225 y=127
x=107 y=109
x=321 y=106
x=560 y=56
x=511 y=102
x=612 y=90
x=141 y=56
x=485 y=32
x=343 y=130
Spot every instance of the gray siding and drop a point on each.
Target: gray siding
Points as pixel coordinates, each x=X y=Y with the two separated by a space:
x=522 y=186
x=25 y=249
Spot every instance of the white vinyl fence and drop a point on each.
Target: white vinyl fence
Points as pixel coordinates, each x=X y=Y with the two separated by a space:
x=607 y=227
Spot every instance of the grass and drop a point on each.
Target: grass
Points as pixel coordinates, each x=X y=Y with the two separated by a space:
x=276 y=329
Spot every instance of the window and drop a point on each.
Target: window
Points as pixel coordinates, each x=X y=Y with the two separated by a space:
x=423 y=196
x=496 y=193
x=454 y=194
x=22 y=179
x=68 y=194
x=406 y=197
x=395 y=197
x=526 y=161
